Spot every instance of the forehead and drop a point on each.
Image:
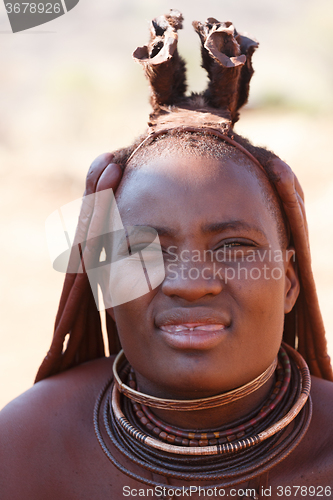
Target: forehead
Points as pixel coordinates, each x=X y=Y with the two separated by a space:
x=188 y=191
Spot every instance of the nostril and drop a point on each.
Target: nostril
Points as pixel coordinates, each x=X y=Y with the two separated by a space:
x=191 y=289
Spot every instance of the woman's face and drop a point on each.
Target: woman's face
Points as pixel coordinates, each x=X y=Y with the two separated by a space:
x=216 y=320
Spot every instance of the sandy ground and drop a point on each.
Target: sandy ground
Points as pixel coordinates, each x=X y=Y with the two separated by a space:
x=70 y=91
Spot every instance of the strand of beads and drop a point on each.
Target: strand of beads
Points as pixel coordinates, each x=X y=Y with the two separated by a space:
x=276 y=436
x=182 y=437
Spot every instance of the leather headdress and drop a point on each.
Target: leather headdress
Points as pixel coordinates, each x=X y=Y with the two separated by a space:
x=227 y=58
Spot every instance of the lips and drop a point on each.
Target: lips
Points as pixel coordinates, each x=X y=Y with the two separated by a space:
x=192 y=329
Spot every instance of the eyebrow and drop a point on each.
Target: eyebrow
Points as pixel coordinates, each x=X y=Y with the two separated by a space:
x=216 y=227
x=220 y=227
x=165 y=231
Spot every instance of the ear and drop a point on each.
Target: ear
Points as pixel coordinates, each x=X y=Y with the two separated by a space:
x=110 y=312
x=292 y=286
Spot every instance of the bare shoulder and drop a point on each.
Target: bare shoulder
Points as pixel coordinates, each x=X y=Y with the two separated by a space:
x=41 y=431
x=322 y=390
x=322 y=399
x=311 y=463
x=50 y=398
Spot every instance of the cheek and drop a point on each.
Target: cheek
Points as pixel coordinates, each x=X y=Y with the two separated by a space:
x=264 y=291
x=258 y=291
x=135 y=324
x=256 y=278
x=258 y=318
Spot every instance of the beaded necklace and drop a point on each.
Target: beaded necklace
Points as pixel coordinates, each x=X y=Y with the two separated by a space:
x=222 y=435
x=267 y=440
x=132 y=393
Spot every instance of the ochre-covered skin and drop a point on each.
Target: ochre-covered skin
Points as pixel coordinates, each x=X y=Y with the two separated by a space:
x=48 y=448
x=47 y=438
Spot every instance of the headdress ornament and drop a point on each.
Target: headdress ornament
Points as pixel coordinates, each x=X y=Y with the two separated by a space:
x=227 y=58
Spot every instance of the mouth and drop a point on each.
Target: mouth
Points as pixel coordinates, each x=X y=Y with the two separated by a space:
x=201 y=333
x=192 y=327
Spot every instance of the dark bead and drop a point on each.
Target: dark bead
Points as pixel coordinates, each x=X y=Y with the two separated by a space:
x=185 y=442
x=140 y=414
x=203 y=442
x=163 y=435
x=150 y=427
x=144 y=420
x=213 y=442
x=194 y=442
x=231 y=438
x=222 y=440
x=156 y=431
x=178 y=440
x=240 y=435
x=170 y=438
x=136 y=407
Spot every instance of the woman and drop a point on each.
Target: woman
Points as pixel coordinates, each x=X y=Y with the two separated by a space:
x=213 y=404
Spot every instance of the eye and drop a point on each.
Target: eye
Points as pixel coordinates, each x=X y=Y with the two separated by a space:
x=232 y=244
x=236 y=244
x=146 y=246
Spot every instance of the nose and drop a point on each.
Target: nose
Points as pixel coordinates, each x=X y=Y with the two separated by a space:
x=191 y=283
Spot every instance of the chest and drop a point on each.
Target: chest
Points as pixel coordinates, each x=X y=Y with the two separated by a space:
x=92 y=475
x=77 y=467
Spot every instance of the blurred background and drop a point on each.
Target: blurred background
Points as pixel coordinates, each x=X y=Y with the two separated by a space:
x=70 y=91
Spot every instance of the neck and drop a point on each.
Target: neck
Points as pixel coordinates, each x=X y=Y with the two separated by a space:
x=212 y=417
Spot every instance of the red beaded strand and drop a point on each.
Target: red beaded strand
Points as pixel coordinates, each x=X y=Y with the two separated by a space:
x=181 y=437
